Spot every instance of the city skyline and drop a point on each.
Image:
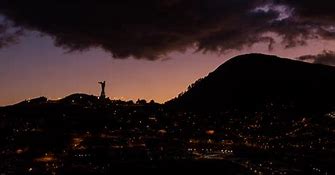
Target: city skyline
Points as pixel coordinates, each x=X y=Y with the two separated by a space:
x=238 y=86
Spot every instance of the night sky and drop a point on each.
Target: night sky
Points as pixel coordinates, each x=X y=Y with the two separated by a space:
x=152 y=49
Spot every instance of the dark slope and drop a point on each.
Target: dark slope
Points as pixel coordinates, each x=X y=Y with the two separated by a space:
x=254 y=81
x=80 y=99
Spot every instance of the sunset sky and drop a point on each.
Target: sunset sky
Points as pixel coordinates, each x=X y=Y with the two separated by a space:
x=64 y=49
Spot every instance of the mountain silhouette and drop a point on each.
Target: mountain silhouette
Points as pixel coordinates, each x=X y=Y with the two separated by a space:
x=255 y=81
x=253 y=108
x=79 y=99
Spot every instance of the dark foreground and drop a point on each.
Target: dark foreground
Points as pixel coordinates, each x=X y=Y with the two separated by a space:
x=81 y=136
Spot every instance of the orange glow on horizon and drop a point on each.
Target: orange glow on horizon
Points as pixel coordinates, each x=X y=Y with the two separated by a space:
x=44 y=70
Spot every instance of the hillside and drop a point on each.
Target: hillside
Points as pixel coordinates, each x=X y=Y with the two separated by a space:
x=254 y=81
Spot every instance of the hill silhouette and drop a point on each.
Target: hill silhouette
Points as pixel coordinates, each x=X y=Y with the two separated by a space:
x=79 y=98
x=274 y=113
x=255 y=81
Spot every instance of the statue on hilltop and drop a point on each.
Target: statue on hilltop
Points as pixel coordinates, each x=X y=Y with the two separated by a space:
x=102 y=94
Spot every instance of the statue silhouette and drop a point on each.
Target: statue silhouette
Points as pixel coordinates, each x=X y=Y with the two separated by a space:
x=103 y=85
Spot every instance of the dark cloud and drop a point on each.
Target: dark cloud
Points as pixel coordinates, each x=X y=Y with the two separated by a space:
x=9 y=34
x=326 y=58
x=315 y=18
x=152 y=28
x=317 y=11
